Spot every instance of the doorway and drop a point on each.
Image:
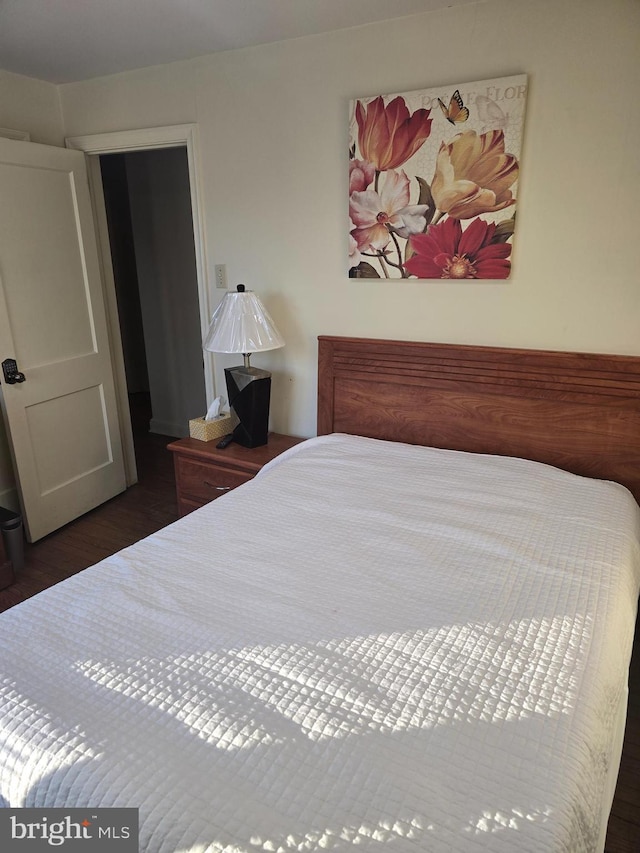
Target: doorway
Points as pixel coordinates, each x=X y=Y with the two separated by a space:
x=124 y=142
x=148 y=213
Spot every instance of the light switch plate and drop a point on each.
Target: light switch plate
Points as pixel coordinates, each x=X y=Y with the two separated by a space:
x=221 y=276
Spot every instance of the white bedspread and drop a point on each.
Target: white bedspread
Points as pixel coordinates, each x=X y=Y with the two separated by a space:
x=369 y=646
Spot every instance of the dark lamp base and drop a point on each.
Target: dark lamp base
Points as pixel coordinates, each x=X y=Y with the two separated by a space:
x=249 y=391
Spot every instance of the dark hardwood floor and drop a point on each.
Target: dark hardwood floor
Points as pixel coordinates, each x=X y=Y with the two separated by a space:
x=151 y=504
x=139 y=511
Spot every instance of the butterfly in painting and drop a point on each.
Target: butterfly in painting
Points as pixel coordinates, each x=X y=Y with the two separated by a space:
x=456 y=112
x=491 y=114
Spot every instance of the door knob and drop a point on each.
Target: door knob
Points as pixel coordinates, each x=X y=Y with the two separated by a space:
x=10 y=371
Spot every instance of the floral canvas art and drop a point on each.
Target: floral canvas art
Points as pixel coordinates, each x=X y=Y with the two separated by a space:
x=433 y=181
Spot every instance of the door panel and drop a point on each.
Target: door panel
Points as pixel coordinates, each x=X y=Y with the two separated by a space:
x=63 y=433
x=62 y=420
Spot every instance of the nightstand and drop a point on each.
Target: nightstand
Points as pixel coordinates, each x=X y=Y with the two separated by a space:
x=204 y=473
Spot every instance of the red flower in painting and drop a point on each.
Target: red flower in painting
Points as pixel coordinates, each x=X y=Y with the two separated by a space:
x=446 y=251
x=389 y=136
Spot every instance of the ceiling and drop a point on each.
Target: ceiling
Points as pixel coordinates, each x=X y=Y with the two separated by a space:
x=69 y=40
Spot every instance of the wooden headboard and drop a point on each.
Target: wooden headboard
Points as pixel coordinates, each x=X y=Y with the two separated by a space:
x=577 y=411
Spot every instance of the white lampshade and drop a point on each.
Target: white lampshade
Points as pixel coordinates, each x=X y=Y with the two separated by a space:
x=241 y=323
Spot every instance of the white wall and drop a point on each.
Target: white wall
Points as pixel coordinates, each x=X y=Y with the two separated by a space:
x=31 y=105
x=273 y=136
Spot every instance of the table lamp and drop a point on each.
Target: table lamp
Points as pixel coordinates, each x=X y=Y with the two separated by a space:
x=241 y=324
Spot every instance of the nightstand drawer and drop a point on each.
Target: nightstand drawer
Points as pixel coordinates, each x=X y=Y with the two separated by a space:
x=202 y=482
x=204 y=471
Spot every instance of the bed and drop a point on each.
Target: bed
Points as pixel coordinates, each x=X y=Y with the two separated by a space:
x=409 y=633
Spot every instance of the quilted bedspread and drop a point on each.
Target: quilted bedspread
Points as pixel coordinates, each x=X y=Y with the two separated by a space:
x=370 y=646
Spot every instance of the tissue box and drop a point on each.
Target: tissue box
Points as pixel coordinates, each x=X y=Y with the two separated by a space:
x=217 y=428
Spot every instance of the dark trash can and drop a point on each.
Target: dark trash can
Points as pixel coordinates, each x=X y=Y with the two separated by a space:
x=11 y=527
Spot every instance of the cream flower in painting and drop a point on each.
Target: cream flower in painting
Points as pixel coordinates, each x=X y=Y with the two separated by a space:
x=474 y=175
x=354 y=253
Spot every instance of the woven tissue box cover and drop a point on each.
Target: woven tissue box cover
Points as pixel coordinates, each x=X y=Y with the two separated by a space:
x=216 y=428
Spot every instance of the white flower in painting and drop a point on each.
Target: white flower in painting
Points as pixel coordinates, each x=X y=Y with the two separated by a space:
x=354 y=253
x=378 y=213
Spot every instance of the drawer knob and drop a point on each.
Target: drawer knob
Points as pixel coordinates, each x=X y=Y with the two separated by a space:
x=217 y=488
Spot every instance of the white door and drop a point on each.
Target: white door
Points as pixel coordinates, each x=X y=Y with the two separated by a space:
x=62 y=421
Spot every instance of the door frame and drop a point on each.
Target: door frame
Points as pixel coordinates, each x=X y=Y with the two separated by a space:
x=120 y=142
